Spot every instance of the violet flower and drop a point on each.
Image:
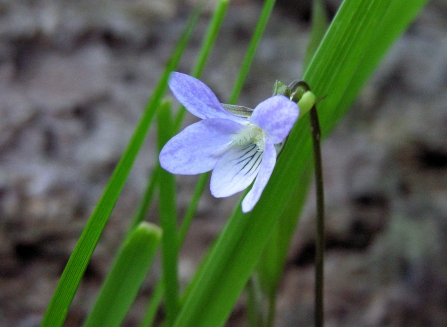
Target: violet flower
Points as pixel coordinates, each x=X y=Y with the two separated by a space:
x=238 y=149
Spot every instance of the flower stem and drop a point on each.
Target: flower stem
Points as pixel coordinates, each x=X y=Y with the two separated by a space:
x=320 y=239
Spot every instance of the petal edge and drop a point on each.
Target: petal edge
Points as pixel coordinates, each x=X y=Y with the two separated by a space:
x=198 y=147
x=276 y=116
x=198 y=98
x=265 y=171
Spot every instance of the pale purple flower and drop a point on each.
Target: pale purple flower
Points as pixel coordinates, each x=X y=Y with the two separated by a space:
x=238 y=149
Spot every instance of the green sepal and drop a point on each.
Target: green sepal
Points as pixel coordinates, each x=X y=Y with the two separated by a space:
x=240 y=111
x=281 y=89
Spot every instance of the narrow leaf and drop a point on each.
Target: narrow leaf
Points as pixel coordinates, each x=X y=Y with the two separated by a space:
x=320 y=23
x=226 y=269
x=73 y=272
x=168 y=221
x=126 y=277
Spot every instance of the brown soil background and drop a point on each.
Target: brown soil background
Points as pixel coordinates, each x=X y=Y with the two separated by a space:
x=74 y=78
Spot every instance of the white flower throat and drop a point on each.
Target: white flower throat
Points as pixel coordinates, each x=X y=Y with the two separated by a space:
x=249 y=135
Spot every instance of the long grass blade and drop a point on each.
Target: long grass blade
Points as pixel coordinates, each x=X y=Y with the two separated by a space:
x=73 y=272
x=207 y=45
x=226 y=269
x=251 y=51
x=272 y=261
x=168 y=221
x=126 y=277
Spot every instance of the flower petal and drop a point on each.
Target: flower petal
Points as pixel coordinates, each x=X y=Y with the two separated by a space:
x=235 y=170
x=265 y=171
x=198 y=147
x=276 y=116
x=198 y=98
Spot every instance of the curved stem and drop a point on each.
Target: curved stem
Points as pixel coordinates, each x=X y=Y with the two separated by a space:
x=320 y=239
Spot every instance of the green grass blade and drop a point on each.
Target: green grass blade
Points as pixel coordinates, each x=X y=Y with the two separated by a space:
x=255 y=299
x=251 y=51
x=201 y=184
x=207 y=45
x=320 y=23
x=223 y=275
x=386 y=34
x=245 y=67
x=73 y=272
x=154 y=303
x=205 y=50
x=168 y=221
x=147 y=199
x=273 y=259
x=126 y=277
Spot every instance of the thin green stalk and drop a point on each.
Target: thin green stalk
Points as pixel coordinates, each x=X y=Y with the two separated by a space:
x=157 y=295
x=254 y=302
x=251 y=52
x=262 y=22
x=154 y=303
x=147 y=199
x=168 y=221
x=245 y=67
x=320 y=23
x=201 y=184
x=193 y=204
x=203 y=56
x=320 y=239
x=207 y=46
x=74 y=270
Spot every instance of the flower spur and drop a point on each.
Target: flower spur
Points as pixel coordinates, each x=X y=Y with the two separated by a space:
x=239 y=146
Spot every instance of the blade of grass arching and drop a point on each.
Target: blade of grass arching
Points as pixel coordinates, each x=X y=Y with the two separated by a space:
x=222 y=276
x=388 y=30
x=168 y=221
x=73 y=272
x=319 y=25
x=126 y=277
x=386 y=34
x=273 y=259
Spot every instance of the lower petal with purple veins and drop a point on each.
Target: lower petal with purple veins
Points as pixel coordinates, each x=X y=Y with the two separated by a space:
x=265 y=171
x=236 y=170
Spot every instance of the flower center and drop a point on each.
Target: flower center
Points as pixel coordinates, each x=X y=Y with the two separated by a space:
x=249 y=135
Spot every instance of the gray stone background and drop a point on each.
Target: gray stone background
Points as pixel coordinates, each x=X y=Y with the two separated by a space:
x=74 y=79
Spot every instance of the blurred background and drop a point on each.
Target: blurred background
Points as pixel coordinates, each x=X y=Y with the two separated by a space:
x=74 y=78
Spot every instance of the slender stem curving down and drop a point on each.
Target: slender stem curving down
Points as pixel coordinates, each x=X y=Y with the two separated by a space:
x=320 y=239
